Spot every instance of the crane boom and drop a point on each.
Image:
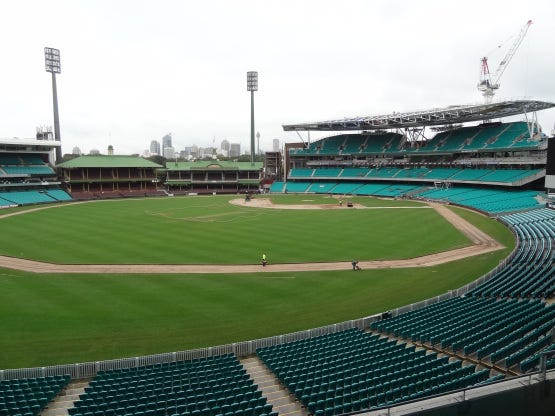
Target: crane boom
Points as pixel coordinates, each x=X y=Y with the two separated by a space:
x=488 y=84
x=505 y=61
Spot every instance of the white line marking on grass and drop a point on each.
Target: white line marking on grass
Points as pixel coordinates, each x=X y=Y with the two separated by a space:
x=280 y=277
x=222 y=217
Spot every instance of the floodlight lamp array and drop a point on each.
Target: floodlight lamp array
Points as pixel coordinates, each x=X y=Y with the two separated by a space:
x=52 y=60
x=252 y=81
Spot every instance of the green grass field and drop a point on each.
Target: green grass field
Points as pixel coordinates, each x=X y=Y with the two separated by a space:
x=55 y=319
x=207 y=230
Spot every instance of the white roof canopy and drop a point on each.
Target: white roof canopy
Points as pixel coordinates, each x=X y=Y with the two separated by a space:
x=455 y=114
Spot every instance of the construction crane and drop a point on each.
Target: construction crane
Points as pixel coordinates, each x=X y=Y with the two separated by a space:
x=490 y=83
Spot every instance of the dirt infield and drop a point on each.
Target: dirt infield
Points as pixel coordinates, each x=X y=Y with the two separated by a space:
x=482 y=243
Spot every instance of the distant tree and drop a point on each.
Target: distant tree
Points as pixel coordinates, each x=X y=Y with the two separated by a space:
x=68 y=156
x=247 y=158
x=161 y=160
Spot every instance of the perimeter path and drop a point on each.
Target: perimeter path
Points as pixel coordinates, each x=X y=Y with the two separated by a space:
x=482 y=243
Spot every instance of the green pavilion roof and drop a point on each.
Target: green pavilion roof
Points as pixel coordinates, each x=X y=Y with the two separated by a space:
x=108 y=162
x=213 y=164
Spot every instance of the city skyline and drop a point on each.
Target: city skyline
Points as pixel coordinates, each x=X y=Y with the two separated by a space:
x=155 y=147
x=224 y=148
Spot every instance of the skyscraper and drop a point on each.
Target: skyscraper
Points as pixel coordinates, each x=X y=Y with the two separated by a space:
x=167 y=141
x=275 y=146
x=168 y=152
x=234 y=150
x=155 y=147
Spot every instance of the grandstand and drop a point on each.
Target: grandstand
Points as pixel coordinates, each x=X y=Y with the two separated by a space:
x=30 y=395
x=501 y=323
x=492 y=166
x=90 y=177
x=507 y=177
x=26 y=173
x=202 y=177
x=213 y=385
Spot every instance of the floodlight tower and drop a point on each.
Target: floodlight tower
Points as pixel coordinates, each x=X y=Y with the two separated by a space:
x=52 y=65
x=252 y=86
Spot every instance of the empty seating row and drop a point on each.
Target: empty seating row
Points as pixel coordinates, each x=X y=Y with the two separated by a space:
x=482 y=137
x=29 y=396
x=420 y=173
x=494 y=201
x=17 y=159
x=353 y=144
x=8 y=198
x=494 y=136
x=534 y=361
x=377 y=189
x=531 y=271
x=321 y=187
x=277 y=187
x=507 y=330
x=211 y=386
x=353 y=370
x=310 y=187
x=26 y=170
x=488 y=200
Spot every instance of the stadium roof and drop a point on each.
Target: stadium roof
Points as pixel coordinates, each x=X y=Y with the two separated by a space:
x=15 y=141
x=455 y=114
x=213 y=164
x=108 y=162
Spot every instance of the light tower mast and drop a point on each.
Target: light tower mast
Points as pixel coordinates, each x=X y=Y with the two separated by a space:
x=52 y=65
x=489 y=84
x=252 y=86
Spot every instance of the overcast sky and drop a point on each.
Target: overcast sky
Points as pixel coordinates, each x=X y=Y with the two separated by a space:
x=133 y=70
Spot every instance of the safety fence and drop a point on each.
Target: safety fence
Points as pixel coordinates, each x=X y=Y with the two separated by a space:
x=240 y=349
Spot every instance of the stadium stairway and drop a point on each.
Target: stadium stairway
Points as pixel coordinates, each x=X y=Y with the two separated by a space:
x=66 y=399
x=276 y=394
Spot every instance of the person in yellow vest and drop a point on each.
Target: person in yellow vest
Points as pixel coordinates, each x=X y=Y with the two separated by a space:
x=264 y=260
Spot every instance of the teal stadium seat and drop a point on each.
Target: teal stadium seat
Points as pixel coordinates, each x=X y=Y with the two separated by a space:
x=301 y=173
x=296 y=187
x=352 y=370
x=27 y=197
x=29 y=396
x=277 y=187
x=210 y=386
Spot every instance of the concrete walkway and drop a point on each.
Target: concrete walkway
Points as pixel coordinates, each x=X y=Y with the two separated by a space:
x=66 y=399
x=276 y=394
